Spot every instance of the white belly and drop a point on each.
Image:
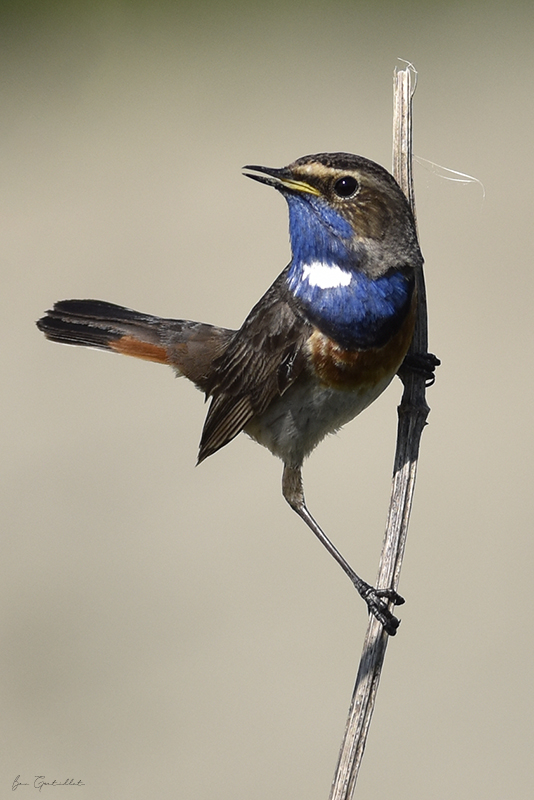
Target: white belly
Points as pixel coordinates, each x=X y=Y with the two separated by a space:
x=296 y=422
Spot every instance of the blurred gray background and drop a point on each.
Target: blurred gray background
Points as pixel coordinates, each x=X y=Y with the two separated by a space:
x=174 y=632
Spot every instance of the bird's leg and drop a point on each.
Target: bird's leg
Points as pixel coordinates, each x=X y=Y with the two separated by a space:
x=376 y=599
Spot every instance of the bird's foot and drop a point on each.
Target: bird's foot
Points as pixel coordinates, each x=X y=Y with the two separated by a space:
x=423 y=364
x=377 y=602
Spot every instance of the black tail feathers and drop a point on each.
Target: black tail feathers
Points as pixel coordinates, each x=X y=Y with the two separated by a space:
x=190 y=347
x=95 y=323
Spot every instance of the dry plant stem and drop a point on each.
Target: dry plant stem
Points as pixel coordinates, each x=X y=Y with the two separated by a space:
x=413 y=412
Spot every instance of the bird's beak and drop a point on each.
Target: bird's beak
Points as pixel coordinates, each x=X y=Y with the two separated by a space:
x=280 y=179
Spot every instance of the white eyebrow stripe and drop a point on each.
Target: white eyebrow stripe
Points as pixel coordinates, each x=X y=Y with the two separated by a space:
x=325 y=276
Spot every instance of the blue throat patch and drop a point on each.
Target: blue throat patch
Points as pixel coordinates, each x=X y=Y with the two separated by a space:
x=358 y=312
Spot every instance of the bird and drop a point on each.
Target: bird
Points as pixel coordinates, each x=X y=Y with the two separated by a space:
x=319 y=347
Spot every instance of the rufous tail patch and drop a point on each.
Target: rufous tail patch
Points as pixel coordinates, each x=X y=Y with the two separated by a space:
x=130 y=346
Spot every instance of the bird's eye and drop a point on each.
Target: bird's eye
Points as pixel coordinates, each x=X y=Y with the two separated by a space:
x=346 y=186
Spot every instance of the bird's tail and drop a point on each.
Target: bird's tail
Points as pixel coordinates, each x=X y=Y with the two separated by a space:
x=190 y=347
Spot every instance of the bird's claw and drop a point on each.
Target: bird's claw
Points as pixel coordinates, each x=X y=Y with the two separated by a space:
x=377 y=603
x=423 y=364
x=392 y=595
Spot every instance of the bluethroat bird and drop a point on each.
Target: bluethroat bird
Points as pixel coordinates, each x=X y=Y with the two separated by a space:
x=322 y=343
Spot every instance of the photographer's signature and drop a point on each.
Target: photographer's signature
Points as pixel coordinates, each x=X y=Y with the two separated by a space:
x=41 y=781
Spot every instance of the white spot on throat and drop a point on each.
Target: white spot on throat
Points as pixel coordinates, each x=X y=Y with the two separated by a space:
x=325 y=276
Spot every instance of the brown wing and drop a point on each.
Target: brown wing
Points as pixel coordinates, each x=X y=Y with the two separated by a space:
x=262 y=359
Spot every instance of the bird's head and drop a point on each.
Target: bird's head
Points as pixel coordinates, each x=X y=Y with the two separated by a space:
x=345 y=210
